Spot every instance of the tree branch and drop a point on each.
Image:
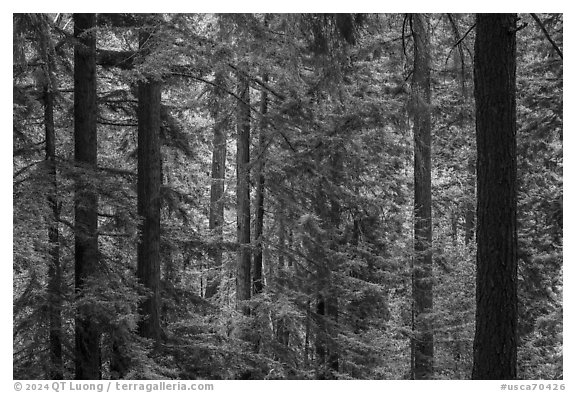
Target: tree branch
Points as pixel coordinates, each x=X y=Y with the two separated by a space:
x=120 y=59
x=541 y=25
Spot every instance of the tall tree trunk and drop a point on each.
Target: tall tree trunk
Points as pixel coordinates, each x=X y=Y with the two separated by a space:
x=282 y=331
x=149 y=181
x=422 y=284
x=243 y=270
x=329 y=210
x=495 y=340
x=259 y=225
x=87 y=355
x=470 y=184
x=216 y=219
x=54 y=268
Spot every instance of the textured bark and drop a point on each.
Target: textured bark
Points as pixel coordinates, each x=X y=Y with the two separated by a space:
x=258 y=282
x=216 y=220
x=495 y=340
x=87 y=335
x=149 y=181
x=423 y=341
x=243 y=270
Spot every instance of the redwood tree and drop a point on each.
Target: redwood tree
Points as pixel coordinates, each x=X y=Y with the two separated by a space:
x=495 y=341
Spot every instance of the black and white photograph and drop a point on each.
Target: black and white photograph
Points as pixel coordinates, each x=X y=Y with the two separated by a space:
x=286 y=196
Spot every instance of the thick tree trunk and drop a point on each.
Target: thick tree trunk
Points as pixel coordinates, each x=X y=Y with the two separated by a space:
x=423 y=344
x=54 y=268
x=149 y=181
x=495 y=340
x=216 y=219
x=87 y=356
x=243 y=270
x=258 y=282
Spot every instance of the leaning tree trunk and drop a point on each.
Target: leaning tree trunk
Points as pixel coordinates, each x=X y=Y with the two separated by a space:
x=149 y=181
x=495 y=340
x=87 y=335
x=423 y=341
x=243 y=269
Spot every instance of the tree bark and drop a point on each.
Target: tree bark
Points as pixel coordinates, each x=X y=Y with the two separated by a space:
x=216 y=219
x=495 y=340
x=87 y=335
x=243 y=270
x=149 y=181
x=423 y=341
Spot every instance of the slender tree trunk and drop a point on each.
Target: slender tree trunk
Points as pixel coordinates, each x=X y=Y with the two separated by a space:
x=87 y=356
x=495 y=340
x=282 y=332
x=259 y=225
x=243 y=270
x=422 y=283
x=54 y=268
x=216 y=220
x=329 y=210
x=470 y=184
x=149 y=181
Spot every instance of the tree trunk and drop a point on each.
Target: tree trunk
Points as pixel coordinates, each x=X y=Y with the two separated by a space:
x=282 y=331
x=54 y=268
x=87 y=355
x=243 y=271
x=495 y=340
x=216 y=220
x=259 y=225
x=328 y=208
x=149 y=180
x=470 y=184
x=422 y=283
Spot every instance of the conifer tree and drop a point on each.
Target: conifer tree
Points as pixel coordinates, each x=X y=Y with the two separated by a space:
x=88 y=356
x=495 y=340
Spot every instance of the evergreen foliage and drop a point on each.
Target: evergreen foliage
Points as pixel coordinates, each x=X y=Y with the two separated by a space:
x=333 y=145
